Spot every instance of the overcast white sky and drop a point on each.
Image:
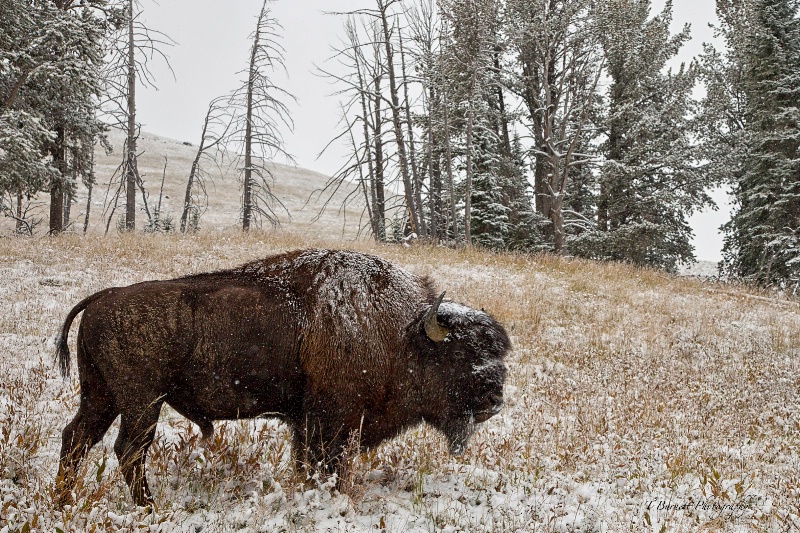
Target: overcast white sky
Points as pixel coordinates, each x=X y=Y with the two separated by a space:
x=211 y=51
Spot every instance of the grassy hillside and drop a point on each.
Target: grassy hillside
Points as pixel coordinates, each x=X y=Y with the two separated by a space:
x=298 y=189
x=635 y=401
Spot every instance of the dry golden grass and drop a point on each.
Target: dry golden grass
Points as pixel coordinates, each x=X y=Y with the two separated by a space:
x=628 y=388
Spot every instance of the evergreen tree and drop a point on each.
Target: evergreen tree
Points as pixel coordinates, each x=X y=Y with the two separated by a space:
x=580 y=203
x=525 y=224
x=763 y=238
x=489 y=214
x=650 y=180
x=23 y=134
x=49 y=84
x=721 y=122
x=473 y=26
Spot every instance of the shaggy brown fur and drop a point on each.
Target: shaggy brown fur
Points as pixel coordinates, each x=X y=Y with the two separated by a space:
x=331 y=342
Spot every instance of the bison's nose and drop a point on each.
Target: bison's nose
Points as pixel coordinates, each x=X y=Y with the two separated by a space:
x=496 y=401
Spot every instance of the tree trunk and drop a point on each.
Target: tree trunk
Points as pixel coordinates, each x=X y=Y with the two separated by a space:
x=468 y=189
x=67 y=209
x=380 y=195
x=415 y=174
x=607 y=218
x=57 y=186
x=449 y=162
x=88 y=208
x=56 y=208
x=19 y=224
x=69 y=197
x=247 y=208
x=501 y=103
x=371 y=199
x=448 y=151
x=544 y=200
x=187 y=198
x=557 y=219
x=434 y=171
x=131 y=170
x=397 y=121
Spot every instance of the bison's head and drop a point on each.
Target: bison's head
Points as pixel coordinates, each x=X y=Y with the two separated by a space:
x=463 y=351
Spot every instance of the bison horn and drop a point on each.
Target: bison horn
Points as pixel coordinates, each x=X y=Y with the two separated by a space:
x=433 y=329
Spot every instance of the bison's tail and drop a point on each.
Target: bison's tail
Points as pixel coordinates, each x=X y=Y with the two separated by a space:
x=62 y=349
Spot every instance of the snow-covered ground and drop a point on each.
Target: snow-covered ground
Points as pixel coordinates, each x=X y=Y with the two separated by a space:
x=700 y=269
x=636 y=401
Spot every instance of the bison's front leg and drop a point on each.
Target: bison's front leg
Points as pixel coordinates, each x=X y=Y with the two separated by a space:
x=317 y=448
x=136 y=432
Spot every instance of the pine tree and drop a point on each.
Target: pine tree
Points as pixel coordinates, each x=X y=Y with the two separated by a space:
x=472 y=24
x=51 y=52
x=489 y=214
x=580 y=203
x=763 y=237
x=24 y=171
x=650 y=179
x=721 y=121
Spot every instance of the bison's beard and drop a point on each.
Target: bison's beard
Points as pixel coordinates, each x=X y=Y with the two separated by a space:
x=458 y=431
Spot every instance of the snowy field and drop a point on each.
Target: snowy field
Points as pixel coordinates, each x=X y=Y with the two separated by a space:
x=636 y=401
x=300 y=192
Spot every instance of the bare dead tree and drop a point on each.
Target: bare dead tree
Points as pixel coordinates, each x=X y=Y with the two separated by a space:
x=382 y=15
x=88 y=207
x=380 y=103
x=161 y=189
x=131 y=171
x=353 y=168
x=130 y=49
x=20 y=212
x=377 y=216
x=215 y=130
x=110 y=205
x=559 y=67
x=430 y=35
x=374 y=76
x=361 y=85
x=383 y=7
x=260 y=113
x=447 y=139
x=424 y=26
x=416 y=178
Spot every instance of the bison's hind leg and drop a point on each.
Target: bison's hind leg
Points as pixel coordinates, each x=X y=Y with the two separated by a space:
x=95 y=415
x=136 y=432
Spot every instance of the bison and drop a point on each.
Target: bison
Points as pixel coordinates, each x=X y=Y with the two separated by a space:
x=337 y=344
